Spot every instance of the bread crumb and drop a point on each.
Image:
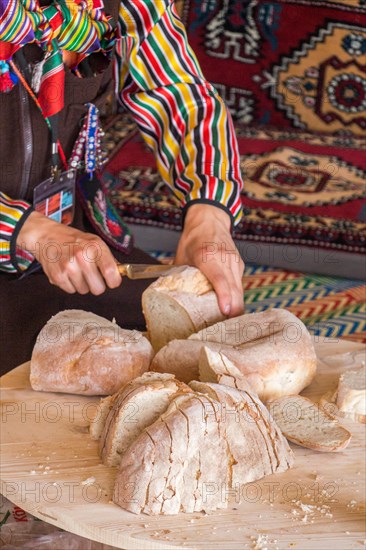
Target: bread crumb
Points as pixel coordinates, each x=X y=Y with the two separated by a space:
x=88 y=481
x=32 y=472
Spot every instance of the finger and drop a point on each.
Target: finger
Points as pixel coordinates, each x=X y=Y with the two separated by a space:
x=94 y=279
x=86 y=263
x=237 y=302
x=77 y=279
x=108 y=268
x=62 y=281
x=220 y=283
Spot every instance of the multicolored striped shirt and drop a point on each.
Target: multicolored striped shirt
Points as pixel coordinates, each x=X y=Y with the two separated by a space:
x=180 y=115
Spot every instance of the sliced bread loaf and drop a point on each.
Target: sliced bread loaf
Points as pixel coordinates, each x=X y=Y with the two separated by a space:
x=196 y=452
x=256 y=446
x=100 y=417
x=184 y=463
x=306 y=424
x=282 y=362
x=135 y=407
x=178 y=305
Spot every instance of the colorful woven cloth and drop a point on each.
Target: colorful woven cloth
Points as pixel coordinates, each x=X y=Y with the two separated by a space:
x=79 y=26
x=330 y=307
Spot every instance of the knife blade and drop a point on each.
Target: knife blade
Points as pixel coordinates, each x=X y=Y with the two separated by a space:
x=148 y=271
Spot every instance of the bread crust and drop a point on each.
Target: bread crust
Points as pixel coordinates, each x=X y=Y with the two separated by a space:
x=351 y=394
x=82 y=353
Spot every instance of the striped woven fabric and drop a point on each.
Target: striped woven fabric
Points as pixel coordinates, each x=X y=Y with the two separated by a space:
x=329 y=306
x=180 y=115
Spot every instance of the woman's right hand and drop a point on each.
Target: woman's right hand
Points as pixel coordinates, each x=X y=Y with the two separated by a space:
x=72 y=260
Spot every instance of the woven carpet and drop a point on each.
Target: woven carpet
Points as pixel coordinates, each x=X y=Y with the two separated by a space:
x=329 y=306
x=293 y=75
x=285 y=63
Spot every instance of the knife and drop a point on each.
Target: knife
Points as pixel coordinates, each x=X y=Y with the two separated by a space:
x=148 y=271
x=132 y=271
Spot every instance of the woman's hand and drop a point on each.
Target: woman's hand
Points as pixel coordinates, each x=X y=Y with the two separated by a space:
x=206 y=243
x=73 y=260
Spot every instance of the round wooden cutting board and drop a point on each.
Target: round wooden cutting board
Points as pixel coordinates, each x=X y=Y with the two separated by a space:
x=51 y=468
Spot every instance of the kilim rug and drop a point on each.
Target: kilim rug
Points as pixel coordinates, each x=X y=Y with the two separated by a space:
x=300 y=188
x=285 y=63
x=329 y=306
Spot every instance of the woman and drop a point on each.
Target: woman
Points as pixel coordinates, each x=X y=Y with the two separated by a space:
x=67 y=47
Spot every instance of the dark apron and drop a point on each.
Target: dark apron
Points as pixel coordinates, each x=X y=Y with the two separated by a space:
x=27 y=304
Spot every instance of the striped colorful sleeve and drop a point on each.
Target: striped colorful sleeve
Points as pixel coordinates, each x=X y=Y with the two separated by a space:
x=180 y=115
x=13 y=214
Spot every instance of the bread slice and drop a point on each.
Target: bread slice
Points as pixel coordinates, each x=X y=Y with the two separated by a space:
x=135 y=407
x=282 y=362
x=100 y=417
x=178 y=305
x=82 y=353
x=306 y=424
x=351 y=396
x=215 y=367
x=184 y=463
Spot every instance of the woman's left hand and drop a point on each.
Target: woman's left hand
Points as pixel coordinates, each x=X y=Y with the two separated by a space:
x=206 y=243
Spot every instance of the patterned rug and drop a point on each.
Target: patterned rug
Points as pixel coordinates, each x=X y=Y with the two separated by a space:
x=299 y=188
x=330 y=307
x=285 y=63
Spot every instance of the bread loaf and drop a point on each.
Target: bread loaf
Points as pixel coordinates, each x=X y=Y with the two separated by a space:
x=192 y=456
x=351 y=395
x=82 y=353
x=306 y=424
x=177 y=305
x=273 y=350
x=136 y=406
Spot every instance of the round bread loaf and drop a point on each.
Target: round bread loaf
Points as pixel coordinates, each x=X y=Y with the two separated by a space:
x=82 y=353
x=273 y=350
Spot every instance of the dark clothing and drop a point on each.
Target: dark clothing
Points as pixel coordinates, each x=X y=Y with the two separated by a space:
x=27 y=304
x=25 y=149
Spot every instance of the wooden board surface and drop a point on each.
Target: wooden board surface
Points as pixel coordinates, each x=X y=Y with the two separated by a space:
x=51 y=468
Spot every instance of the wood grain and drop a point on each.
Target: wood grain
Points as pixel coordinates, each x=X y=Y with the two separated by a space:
x=51 y=468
